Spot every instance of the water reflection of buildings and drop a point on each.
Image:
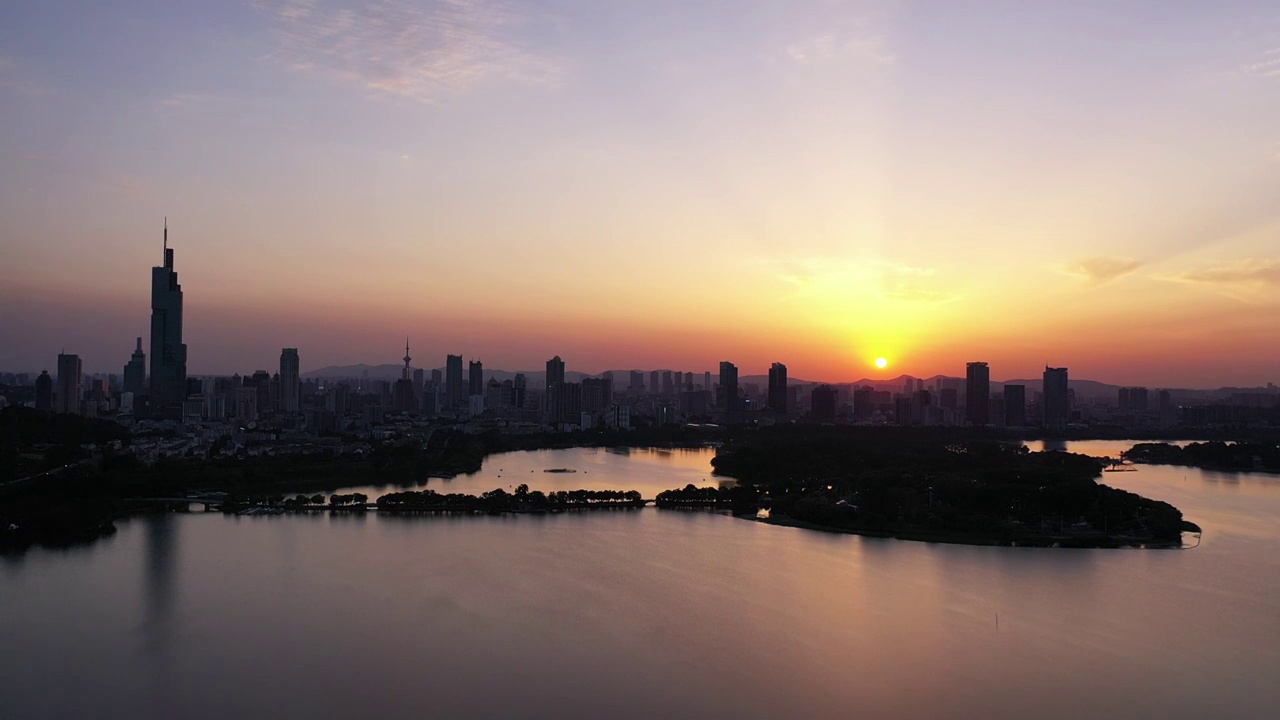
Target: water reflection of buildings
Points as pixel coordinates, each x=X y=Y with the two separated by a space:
x=161 y=547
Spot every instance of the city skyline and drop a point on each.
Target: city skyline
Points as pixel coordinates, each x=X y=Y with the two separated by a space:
x=657 y=185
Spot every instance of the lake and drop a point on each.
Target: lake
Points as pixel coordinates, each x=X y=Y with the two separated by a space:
x=644 y=613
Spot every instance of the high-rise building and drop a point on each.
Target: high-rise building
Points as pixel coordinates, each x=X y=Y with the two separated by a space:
x=455 y=389
x=637 y=381
x=706 y=381
x=518 y=389
x=1057 y=401
x=778 y=388
x=977 y=394
x=1015 y=405
x=564 y=403
x=822 y=404
x=597 y=394
x=555 y=372
x=135 y=371
x=728 y=392
x=168 y=353
x=290 y=387
x=654 y=386
x=44 y=393
x=863 y=403
x=475 y=378
x=1133 y=399
x=69 y=378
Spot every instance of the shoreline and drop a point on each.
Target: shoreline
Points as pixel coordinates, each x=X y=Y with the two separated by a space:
x=1034 y=541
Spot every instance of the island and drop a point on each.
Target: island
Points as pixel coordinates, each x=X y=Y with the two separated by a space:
x=938 y=485
x=1213 y=455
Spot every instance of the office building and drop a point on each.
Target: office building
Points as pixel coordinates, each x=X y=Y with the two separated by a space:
x=44 y=393
x=555 y=373
x=455 y=390
x=778 y=388
x=168 y=353
x=475 y=378
x=1015 y=405
x=977 y=394
x=290 y=383
x=1057 y=400
x=822 y=404
x=727 y=394
x=67 y=399
x=135 y=371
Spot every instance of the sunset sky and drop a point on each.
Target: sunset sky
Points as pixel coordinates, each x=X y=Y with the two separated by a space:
x=650 y=184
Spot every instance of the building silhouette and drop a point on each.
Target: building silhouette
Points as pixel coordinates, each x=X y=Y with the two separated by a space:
x=404 y=395
x=1057 y=400
x=1015 y=405
x=168 y=353
x=135 y=371
x=727 y=398
x=475 y=378
x=778 y=388
x=290 y=387
x=44 y=393
x=822 y=404
x=67 y=399
x=455 y=391
x=977 y=394
x=555 y=372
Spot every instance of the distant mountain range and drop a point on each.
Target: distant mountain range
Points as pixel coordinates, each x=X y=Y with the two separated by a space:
x=1085 y=389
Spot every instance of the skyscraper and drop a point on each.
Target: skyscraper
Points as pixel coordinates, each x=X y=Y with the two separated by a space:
x=475 y=378
x=1057 y=403
x=728 y=393
x=289 y=385
x=168 y=353
x=69 y=375
x=555 y=372
x=135 y=371
x=977 y=394
x=44 y=393
x=1015 y=405
x=822 y=404
x=455 y=391
x=778 y=388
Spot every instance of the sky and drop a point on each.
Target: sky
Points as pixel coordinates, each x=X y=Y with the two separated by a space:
x=656 y=184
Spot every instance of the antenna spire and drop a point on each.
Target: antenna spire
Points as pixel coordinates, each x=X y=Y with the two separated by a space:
x=166 y=232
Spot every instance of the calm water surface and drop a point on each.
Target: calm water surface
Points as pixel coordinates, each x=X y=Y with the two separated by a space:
x=645 y=614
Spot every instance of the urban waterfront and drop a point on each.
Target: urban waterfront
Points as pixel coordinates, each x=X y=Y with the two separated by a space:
x=645 y=613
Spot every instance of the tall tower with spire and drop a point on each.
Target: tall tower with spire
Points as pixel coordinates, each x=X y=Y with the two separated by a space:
x=168 y=353
x=404 y=399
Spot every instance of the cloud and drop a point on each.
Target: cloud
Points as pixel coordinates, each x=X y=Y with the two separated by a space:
x=1251 y=280
x=421 y=51
x=10 y=79
x=1102 y=270
x=888 y=281
x=1266 y=68
x=849 y=41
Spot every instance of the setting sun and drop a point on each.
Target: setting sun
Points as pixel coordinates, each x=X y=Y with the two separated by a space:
x=881 y=363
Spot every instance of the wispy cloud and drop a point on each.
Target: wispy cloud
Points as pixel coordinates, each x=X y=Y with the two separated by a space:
x=10 y=79
x=1249 y=280
x=1267 y=67
x=853 y=41
x=418 y=50
x=888 y=281
x=1102 y=270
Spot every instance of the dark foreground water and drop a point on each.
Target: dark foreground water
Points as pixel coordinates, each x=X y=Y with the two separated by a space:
x=645 y=614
